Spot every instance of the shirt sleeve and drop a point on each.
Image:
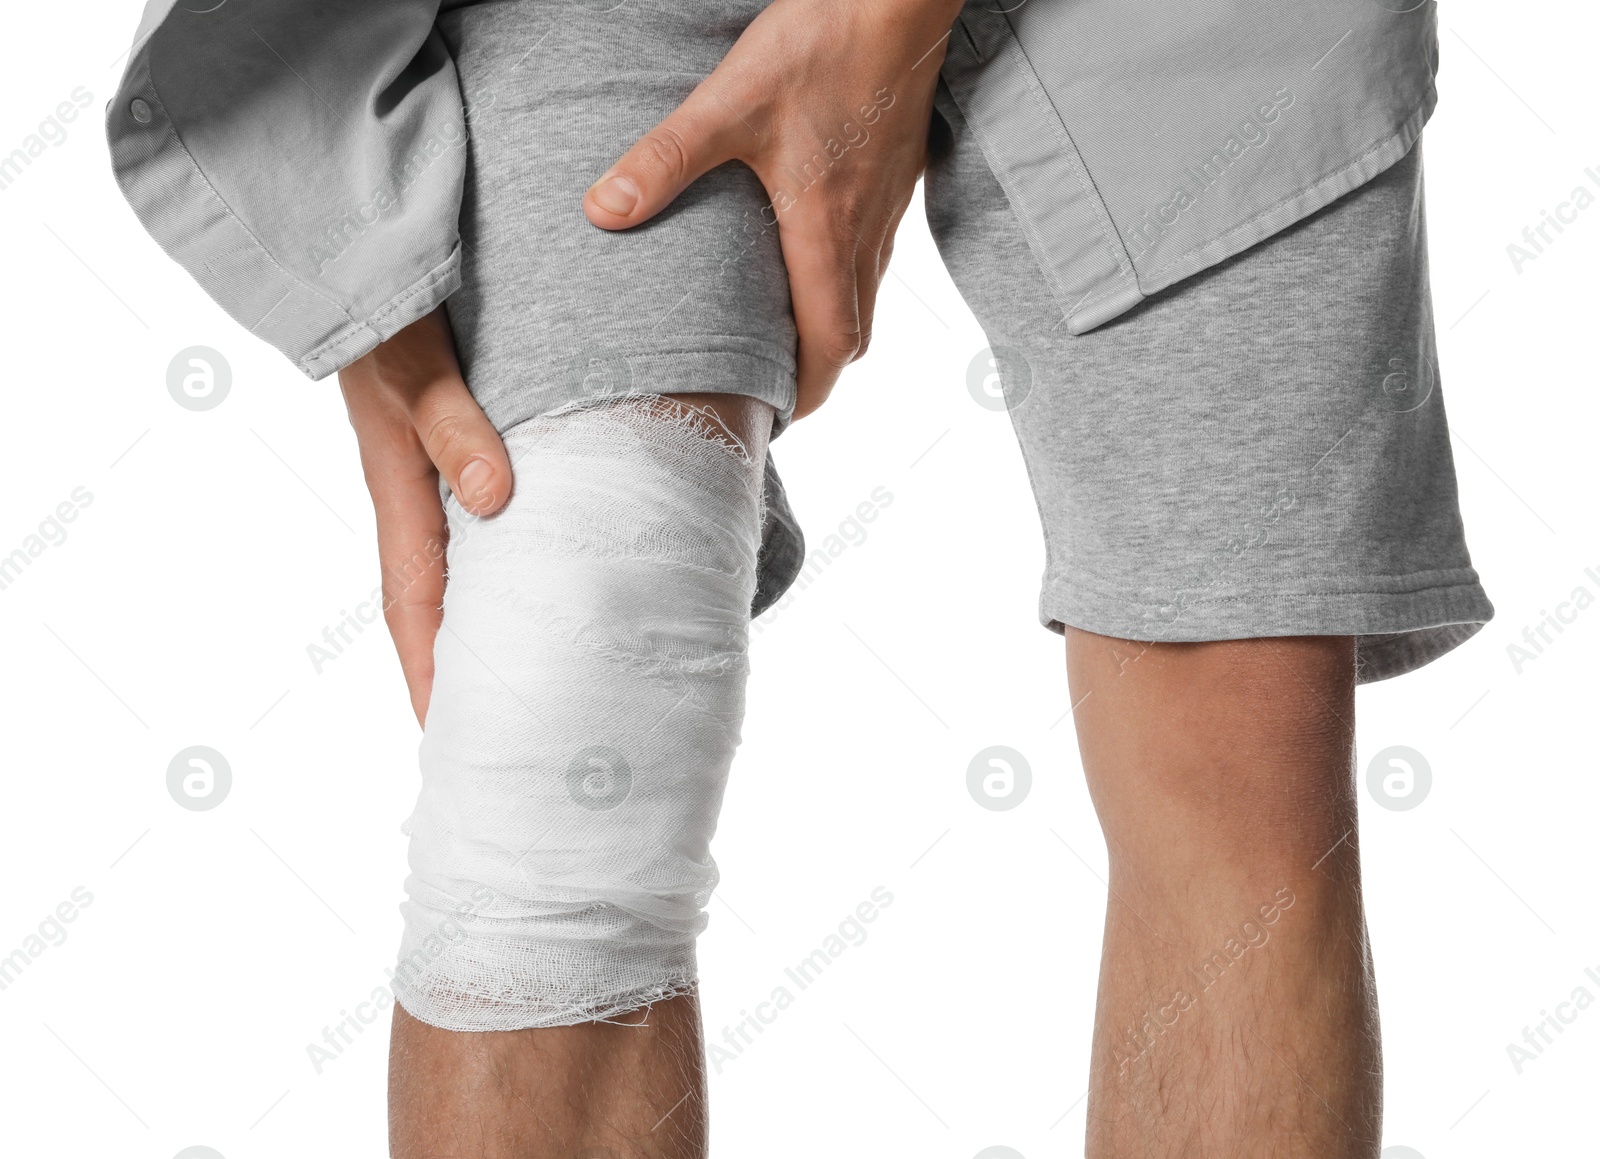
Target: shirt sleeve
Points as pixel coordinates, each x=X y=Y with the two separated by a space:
x=303 y=160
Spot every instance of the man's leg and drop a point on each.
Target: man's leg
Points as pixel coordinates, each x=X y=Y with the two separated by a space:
x=1237 y=1014
x=631 y=1086
x=1239 y=457
x=597 y=1090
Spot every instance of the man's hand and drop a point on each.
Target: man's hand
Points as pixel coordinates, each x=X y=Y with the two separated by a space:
x=415 y=421
x=829 y=102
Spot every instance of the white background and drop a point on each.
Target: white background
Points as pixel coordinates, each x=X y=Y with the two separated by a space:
x=218 y=545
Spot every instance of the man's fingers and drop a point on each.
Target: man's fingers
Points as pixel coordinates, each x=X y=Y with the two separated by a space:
x=866 y=297
x=416 y=422
x=466 y=450
x=872 y=266
x=822 y=288
x=462 y=443
x=412 y=534
x=700 y=134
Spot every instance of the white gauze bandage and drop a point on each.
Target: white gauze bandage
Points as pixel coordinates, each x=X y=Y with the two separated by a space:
x=587 y=698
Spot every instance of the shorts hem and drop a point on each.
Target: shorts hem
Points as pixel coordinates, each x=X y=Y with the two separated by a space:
x=606 y=374
x=1400 y=623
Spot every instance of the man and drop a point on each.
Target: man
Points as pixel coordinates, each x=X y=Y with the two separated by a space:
x=1194 y=236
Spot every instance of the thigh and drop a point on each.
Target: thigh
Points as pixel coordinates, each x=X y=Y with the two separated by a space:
x=552 y=310
x=1260 y=450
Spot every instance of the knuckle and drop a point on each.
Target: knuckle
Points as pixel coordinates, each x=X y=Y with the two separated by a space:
x=398 y=612
x=853 y=210
x=412 y=583
x=664 y=152
x=446 y=437
x=840 y=349
x=393 y=436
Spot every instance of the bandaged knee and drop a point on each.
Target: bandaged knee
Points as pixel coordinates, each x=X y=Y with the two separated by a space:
x=587 y=699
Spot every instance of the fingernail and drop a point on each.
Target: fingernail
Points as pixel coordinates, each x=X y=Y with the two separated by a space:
x=472 y=489
x=618 y=195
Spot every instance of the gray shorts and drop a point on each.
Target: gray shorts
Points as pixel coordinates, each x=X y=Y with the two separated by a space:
x=1259 y=450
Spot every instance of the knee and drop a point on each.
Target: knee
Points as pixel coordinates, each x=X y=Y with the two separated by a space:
x=1240 y=748
x=589 y=690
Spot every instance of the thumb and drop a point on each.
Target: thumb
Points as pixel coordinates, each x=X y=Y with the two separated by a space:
x=463 y=445
x=698 y=136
